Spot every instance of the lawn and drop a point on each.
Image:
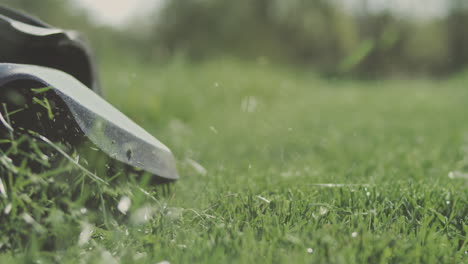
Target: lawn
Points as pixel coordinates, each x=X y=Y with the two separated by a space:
x=277 y=165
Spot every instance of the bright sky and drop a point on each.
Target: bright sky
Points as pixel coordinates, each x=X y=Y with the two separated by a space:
x=118 y=12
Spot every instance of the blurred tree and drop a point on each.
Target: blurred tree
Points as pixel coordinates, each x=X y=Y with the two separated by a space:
x=457 y=34
x=293 y=31
x=363 y=43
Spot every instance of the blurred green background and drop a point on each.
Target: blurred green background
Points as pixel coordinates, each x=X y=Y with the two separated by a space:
x=365 y=39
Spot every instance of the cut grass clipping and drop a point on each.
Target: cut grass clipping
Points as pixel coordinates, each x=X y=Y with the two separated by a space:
x=277 y=166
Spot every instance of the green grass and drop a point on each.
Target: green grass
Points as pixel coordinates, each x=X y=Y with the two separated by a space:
x=267 y=138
